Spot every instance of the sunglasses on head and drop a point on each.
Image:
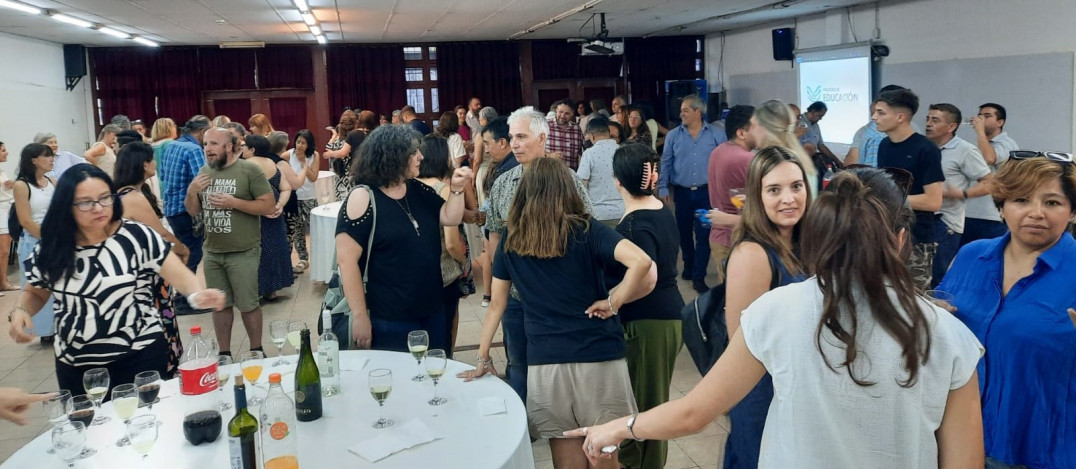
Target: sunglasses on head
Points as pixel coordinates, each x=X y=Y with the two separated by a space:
x=1050 y=155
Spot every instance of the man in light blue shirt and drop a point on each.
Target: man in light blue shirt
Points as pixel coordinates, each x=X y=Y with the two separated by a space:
x=596 y=171
x=683 y=181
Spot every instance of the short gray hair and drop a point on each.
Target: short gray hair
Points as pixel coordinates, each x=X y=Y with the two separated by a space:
x=487 y=113
x=538 y=124
x=43 y=137
x=695 y=102
x=278 y=141
x=109 y=129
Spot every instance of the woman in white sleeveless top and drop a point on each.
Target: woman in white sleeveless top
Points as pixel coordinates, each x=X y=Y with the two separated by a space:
x=101 y=154
x=7 y=197
x=33 y=192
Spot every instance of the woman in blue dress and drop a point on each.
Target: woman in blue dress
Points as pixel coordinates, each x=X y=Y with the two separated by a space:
x=274 y=270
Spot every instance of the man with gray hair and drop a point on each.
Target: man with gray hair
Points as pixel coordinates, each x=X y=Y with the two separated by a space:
x=683 y=181
x=64 y=159
x=180 y=162
x=529 y=131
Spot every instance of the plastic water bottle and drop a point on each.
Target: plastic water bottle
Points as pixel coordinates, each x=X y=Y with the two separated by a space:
x=329 y=357
x=198 y=383
x=278 y=425
x=827 y=176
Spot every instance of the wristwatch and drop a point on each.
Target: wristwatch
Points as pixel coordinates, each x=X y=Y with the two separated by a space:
x=631 y=425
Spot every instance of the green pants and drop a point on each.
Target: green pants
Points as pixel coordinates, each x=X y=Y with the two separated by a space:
x=652 y=348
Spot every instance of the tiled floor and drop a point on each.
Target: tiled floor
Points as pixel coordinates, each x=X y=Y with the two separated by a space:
x=31 y=367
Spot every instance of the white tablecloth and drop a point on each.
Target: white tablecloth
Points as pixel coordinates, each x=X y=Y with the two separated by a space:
x=323 y=241
x=470 y=440
x=325 y=187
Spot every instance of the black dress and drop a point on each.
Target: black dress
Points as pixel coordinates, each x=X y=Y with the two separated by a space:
x=274 y=270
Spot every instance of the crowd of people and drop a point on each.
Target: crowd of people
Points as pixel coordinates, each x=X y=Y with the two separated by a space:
x=574 y=226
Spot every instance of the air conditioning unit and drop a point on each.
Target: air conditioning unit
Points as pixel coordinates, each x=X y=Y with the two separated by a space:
x=602 y=48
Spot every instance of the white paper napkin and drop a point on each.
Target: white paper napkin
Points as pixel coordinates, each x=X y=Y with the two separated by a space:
x=355 y=366
x=491 y=406
x=394 y=440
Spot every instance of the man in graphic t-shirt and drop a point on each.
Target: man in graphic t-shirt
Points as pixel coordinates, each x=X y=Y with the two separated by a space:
x=233 y=194
x=905 y=149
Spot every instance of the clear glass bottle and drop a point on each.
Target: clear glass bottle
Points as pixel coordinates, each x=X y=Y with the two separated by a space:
x=329 y=357
x=278 y=426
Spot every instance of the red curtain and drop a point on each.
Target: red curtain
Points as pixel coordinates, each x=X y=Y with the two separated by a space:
x=285 y=67
x=238 y=110
x=654 y=60
x=288 y=114
x=178 y=94
x=366 y=77
x=126 y=80
x=226 y=69
x=489 y=70
x=560 y=59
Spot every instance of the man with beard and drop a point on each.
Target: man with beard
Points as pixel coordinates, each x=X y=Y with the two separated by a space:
x=565 y=139
x=233 y=194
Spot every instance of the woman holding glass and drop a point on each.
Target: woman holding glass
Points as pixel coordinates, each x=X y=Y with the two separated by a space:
x=556 y=255
x=101 y=271
x=867 y=373
x=1013 y=293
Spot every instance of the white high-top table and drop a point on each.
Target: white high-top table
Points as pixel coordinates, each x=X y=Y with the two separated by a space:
x=323 y=241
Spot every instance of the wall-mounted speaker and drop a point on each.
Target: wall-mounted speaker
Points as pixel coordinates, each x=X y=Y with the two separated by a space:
x=74 y=64
x=784 y=42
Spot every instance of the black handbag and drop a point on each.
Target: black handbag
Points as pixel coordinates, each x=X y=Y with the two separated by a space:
x=335 y=301
x=14 y=228
x=703 y=323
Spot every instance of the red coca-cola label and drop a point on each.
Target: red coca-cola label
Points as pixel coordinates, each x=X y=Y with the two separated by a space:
x=199 y=380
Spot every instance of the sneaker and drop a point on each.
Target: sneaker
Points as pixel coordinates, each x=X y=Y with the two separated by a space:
x=485 y=301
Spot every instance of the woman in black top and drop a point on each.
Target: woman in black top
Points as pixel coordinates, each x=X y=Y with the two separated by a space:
x=652 y=323
x=404 y=289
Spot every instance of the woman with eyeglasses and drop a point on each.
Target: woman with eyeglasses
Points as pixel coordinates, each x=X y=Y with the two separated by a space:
x=866 y=373
x=33 y=192
x=638 y=132
x=1013 y=292
x=100 y=271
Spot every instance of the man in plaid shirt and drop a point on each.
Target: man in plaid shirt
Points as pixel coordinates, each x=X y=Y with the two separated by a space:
x=565 y=139
x=180 y=162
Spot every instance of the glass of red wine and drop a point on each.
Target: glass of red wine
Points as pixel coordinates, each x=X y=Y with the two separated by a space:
x=149 y=386
x=83 y=410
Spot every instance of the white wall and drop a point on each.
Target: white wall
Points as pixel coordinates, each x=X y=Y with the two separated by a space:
x=915 y=31
x=33 y=98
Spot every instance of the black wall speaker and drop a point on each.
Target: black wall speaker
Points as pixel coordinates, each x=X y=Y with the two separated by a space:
x=784 y=42
x=74 y=60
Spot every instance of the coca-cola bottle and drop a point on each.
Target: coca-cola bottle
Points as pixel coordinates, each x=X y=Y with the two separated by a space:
x=197 y=383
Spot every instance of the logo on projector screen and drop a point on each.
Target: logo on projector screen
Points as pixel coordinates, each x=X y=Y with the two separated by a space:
x=831 y=95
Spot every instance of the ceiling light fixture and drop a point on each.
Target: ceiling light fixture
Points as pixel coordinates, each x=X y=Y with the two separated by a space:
x=146 y=42
x=309 y=19
x=321 y=39
x=113 y=32
x=315 y=30
x=242 y=44
x=21 y=7
x=71 y=20
x=301 y=5
x=556 y=19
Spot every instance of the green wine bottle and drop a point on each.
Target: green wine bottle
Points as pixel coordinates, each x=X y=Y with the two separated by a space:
x=307 y=383
x=241 y=432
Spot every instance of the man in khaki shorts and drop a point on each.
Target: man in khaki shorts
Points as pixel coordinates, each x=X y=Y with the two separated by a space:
x=233 y=194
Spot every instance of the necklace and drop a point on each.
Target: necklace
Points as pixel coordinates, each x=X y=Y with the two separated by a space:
x=407 y=211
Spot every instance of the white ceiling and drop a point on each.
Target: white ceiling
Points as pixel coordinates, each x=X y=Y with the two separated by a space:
x=197 y=22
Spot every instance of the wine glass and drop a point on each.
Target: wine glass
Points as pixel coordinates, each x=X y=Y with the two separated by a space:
x=417 y=343
x=68 y=440
x=294 y=337
x=738 y=197
x=149 y=386
x=252 y=363
x=435 y=367
x=56 y=409
x=95 y=380
x=224 y=365
x=278 y=331
x=82 y=411
x=142 y=431
x=125 y=401
x=380 y=388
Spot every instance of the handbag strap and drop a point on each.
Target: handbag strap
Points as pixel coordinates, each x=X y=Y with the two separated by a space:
x=370 y=242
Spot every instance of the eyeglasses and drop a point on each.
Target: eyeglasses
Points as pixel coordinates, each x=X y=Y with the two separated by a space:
x=1050 y=155
x=87 y=205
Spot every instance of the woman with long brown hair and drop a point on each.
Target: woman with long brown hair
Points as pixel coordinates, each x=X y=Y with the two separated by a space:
x=555 y=254
x=868 y=374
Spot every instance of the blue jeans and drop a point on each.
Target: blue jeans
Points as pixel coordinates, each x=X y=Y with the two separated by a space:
x=694 y=239
x=748 y=420
x=392 y=334
x=44 y=319
x=978 y=228
x=948 y=244
x=515 y=345
x=183 y=228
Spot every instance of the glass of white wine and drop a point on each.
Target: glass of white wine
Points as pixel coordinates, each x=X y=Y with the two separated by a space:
x=435 y=367
x=294 y=337
x=380 y=388
x=278 y=331
x=125 y=401
x=417 y=343
x=142 y=431
x=95 y=380
x=68 y=439
x=224 y=365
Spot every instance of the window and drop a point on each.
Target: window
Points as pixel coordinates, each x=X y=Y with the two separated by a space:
x=413 y=74
x=416 y=97
x=412 y=53
x=420 y=71
x=433 y=74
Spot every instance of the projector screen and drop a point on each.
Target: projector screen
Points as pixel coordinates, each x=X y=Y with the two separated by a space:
x=841 y=78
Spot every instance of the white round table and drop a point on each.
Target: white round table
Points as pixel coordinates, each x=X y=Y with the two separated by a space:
x=469 y=439
x=323 y=241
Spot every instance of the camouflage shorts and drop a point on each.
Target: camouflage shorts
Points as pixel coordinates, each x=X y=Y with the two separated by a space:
x=921 y=264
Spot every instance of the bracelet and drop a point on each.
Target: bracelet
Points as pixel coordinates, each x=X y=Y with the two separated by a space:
x=481 y=361
x=965 y=192
x=11 y=314
x=459 y=192
x=610 y=301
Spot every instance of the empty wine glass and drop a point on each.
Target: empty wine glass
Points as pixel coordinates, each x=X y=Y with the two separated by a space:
x=82 y=411
x=149 y=387
x=278 y=331
x=417 y=343
x=56 y=409
x=125 y=401
x=142 y=431
x=224 y=365
x=251 y=364
x=95 y=380
x=68 y=441
x=435 y=367
x=380 y=388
